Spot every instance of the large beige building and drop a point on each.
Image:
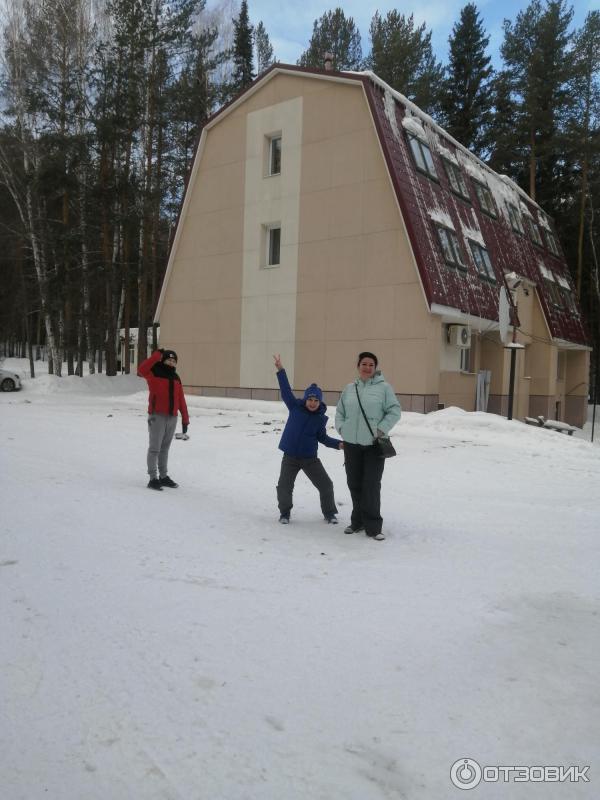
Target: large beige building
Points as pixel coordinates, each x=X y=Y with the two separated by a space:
x=324 y=215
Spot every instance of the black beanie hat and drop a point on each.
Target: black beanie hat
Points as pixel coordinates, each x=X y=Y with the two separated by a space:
x=367 y=355
x=169 y=354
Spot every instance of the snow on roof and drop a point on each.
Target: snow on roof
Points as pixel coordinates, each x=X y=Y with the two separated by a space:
x=442 y=216
x=543 y=220
x=545 y=272
x=411 y=123
x=563 y=282
x=473 y=234
x=444 y=152
x=525 y=210
x=390 y=113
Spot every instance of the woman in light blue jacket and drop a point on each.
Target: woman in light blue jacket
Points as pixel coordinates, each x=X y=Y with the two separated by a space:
x=364 y=466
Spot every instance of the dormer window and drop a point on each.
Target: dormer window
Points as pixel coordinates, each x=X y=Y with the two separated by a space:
x=422 y=156
x=551 y=242
x=450 y=247
x=515 y=219
x=274 y=155
x=534 y=232
x=554 y=293
x=481 y=257
x=456 y=179
x=485 y=199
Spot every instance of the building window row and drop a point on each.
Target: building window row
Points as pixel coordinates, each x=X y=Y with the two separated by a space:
x=424 y=163
x=453 y=256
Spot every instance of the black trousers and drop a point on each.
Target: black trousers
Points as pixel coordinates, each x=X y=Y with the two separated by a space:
x=364 y=470
x=315 y=472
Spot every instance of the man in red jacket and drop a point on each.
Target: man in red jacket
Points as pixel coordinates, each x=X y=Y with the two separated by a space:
x=165 y=401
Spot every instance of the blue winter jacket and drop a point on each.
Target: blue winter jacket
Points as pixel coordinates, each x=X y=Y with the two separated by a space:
x=304 y=429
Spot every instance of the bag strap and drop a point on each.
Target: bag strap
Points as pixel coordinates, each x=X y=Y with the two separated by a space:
x=363 y=412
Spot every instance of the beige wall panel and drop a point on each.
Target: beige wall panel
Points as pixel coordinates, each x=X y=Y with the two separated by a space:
x=347 y=164
x=313 y=265
x=315 y=216
x=387 y=264
x=378 y=308
x=411 y=319
x=192 y=280
x=316 y=166
x=227 y=360
x=334 y=111
x=458 y=389
x=416 y=366
x=345 y=315
x=225 y=142
x=229 y=275
x=229 y=320
x=211 y=234
x=204 y=365
x=346 y=210
x=380 y=208
x=311 y=316
x=216 y=188
x=347 y=263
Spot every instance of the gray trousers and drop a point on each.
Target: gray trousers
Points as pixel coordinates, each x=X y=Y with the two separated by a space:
x=315 y=472
x=161 y=429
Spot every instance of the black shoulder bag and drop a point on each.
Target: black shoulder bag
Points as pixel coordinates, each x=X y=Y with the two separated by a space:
x=383 y=445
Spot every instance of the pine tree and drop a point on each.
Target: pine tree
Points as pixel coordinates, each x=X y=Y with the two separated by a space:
x=585 y=135
x=467 y=95
x=243 y=73
x=334 y=33
x=262 y=48
x=539 y=66
x=401 y=54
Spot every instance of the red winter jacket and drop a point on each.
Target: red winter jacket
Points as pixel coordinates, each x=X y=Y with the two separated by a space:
x=166 y=392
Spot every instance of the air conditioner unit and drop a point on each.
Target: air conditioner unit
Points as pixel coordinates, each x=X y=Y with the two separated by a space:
x=459 y=335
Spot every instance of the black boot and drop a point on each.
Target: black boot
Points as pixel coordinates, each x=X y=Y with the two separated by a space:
x=166 y=481
x=154 y=483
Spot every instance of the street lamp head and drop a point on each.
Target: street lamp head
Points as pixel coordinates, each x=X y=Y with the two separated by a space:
x=513 y=281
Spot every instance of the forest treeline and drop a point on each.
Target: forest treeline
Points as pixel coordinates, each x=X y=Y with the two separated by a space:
x=103 y=101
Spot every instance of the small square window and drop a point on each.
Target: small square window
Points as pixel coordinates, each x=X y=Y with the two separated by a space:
x=515 y=219
x=275 y=155
x=485 y=199
x=554 y=293
x=273 y=246
x=534 y=232
x=551 y=242
x=423 y=158
x=456 y=180
x=481 y=257
x=450 y=247
x=465 y=359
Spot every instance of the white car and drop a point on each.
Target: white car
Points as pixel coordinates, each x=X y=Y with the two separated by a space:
x=9 y=380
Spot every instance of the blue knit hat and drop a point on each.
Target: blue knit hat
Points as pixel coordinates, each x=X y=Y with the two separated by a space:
x=313 y=391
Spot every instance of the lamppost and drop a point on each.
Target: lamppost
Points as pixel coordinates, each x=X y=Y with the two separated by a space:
x=513 y=281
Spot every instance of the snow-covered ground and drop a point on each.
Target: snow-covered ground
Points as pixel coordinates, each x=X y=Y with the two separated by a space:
x=185 y=646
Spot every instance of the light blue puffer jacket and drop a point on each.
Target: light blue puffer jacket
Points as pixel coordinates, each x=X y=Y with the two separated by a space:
x=380 y=404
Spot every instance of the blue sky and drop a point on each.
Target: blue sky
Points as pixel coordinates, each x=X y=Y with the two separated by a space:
x=289 y=22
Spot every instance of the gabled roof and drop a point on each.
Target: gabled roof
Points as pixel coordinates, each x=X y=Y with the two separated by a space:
x=428 y=203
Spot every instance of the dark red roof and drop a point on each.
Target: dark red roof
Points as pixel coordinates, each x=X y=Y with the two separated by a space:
x=425 y=201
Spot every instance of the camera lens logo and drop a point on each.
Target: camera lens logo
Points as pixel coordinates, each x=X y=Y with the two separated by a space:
x=465 y=773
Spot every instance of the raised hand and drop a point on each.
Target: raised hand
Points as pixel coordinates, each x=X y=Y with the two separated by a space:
x=278 y=364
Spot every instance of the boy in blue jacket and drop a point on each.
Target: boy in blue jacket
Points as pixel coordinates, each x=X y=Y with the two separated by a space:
x=304 y=429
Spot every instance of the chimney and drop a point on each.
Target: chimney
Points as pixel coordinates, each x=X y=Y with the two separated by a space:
x=328 y=58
